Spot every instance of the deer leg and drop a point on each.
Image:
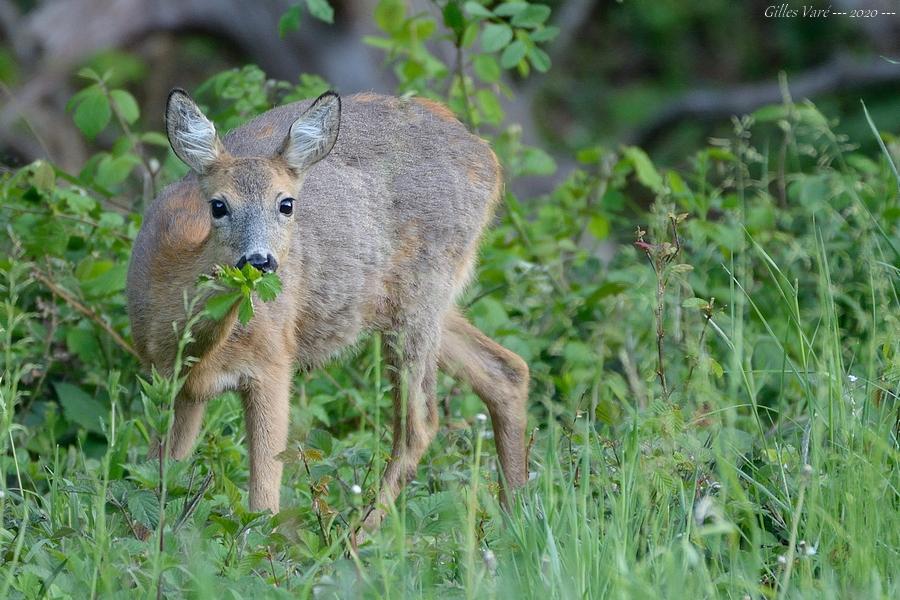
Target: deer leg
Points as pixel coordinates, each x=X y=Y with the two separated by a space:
x=412 y=367
x=500 y=378
x=186 y=422
x=266 y=411
x=185 y=425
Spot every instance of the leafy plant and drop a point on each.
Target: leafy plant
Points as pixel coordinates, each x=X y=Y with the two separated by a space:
x=713 y=409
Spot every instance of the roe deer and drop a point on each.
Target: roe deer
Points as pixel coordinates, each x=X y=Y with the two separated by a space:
x=375 y=229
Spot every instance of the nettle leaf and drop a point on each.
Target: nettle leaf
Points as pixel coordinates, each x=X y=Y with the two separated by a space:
x=495 y=37
x=101 y=277
x=320 y=439
x=268 y=287
x=321 y=10
x=218 y=306
x=93 y=113
x=245 y=310
x=144 y=508
x=83 y=343
x=126 y=105
x=79 y=407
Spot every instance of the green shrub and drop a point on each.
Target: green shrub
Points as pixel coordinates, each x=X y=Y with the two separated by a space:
x=714 y=353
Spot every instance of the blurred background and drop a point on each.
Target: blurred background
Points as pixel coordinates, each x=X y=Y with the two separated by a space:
x=662 y=74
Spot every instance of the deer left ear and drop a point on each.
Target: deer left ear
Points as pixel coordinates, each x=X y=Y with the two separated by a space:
x=313 y=134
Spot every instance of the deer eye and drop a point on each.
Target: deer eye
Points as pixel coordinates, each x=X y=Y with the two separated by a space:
x=219 y=209
x=286 y=206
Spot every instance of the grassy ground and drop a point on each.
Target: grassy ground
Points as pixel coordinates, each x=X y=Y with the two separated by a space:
x=714 y=412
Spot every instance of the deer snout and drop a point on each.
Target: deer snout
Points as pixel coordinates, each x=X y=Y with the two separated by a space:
x=266 y=264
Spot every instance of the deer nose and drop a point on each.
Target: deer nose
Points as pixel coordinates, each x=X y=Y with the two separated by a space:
x=266 y=264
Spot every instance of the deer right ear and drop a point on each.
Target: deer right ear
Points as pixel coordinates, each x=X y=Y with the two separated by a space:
x=191 y=135
x=314 y=133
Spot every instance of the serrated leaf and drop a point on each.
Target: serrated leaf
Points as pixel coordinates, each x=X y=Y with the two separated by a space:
x=245 y=310
x=320 y=439
x=126 y=105
x=143 y=506
x=79 y=407
x=218 y=306
x=83 y=343
x=495 y=37
x=268 y=287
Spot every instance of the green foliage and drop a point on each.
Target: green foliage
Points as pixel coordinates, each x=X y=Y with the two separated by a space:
x=240 y=285
x=290 y=20
x=714 y=353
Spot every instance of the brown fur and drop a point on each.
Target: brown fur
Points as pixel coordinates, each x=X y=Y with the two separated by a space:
x=383 y=237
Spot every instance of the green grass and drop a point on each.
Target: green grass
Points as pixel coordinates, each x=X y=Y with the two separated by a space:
x=767 y=468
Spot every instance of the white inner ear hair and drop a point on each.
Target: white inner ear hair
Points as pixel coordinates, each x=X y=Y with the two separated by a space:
x=197 y=136
x=308 y=139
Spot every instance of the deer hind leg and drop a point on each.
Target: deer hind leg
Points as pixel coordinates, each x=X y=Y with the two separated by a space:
x=411 y=358
x=266 y=411
x=500 y=378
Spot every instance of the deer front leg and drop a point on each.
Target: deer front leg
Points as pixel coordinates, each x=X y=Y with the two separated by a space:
x=412 y=368
x=266 y=410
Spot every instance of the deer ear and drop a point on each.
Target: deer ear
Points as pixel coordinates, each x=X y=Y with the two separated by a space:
x=191 y=135
x=313 y=134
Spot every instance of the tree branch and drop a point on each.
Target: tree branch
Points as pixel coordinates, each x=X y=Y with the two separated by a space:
x=840 y=74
